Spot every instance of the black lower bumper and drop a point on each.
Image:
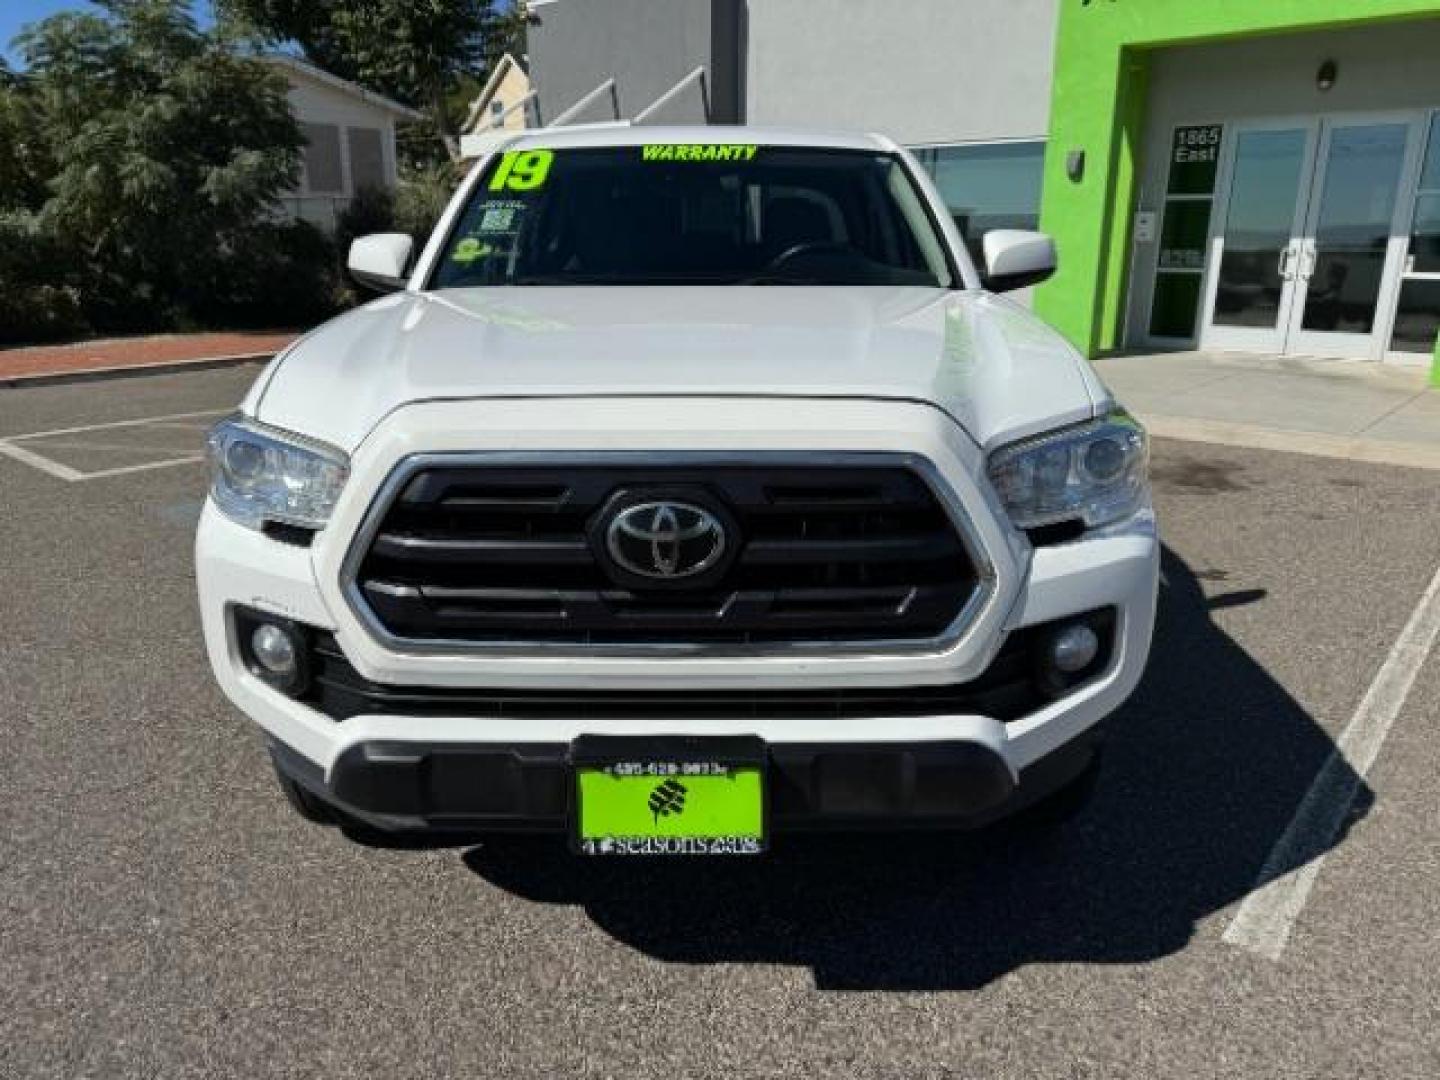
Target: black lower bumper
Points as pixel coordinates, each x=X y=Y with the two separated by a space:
x=527 y=787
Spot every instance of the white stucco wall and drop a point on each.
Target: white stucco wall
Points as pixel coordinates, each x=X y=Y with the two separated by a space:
x=920 y=71
x=646 y=46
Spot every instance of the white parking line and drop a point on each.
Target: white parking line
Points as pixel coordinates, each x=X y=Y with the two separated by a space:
x=124 y=448
x=143 y=467
x=37 y=461
x=61 y=471
x=117 y=424
x=184 y=425
x=1266 y=918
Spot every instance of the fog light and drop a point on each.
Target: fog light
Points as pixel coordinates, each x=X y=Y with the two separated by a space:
x=274 y=650
x=1074 y=648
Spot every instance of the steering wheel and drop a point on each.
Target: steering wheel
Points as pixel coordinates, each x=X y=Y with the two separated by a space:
x=808 y=247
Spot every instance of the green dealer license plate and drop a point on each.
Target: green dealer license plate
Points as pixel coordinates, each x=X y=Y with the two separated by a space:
x=652 y=802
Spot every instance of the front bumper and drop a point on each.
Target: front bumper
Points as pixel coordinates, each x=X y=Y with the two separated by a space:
x=529 y=787
x=368 y=751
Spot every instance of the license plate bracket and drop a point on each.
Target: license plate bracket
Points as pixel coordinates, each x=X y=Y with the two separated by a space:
x=669 y=795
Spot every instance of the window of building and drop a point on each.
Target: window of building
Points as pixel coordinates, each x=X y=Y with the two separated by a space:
x=497 y=109
x=986 y=186
x=1184 y=229
x=367 y=158
x=322 y=159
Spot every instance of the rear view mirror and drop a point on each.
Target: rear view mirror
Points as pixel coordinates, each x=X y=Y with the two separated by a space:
x=1015 y=258
x=379 y=261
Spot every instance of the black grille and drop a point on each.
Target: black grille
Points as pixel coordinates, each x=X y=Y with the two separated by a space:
x=496 y=555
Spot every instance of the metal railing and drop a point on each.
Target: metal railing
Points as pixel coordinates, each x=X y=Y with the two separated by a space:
x=698 y=75
x=608 y=86
x=482 y=138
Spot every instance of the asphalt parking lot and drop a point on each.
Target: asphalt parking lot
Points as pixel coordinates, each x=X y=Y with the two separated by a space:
x=164 y=913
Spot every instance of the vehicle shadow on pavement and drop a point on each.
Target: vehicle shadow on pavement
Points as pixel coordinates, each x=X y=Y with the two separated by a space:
x=1204 y=768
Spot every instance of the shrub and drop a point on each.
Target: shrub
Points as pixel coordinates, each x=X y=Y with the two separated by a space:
x=38 y=302
x=422 y=197
x=280 y=273
x=372 y=210
x=36 y=314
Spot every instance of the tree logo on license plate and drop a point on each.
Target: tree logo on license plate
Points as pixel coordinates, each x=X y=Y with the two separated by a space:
x=667 y=798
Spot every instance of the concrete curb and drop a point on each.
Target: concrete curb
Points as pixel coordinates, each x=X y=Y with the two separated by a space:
x=123 y=371
x=1344 y=447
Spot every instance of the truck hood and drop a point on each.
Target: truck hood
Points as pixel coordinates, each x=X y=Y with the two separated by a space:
x=994 y=367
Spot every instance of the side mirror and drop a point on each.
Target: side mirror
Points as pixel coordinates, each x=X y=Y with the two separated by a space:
x=379 y=261
x=1015 y=258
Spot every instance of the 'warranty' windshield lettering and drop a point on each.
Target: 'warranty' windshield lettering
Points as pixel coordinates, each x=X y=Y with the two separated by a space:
x=697 y=152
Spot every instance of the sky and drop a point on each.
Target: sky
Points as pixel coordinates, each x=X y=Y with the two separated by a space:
x=15 y=14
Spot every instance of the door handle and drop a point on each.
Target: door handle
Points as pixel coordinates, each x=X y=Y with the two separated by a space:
x=1307 y=262
x=1286 y=253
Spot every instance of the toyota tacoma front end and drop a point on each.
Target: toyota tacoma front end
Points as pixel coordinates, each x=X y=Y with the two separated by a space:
x=681 y=493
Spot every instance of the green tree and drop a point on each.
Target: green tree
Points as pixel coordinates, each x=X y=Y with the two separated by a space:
x=416 y=51
x=141 y=158
x=24 y=156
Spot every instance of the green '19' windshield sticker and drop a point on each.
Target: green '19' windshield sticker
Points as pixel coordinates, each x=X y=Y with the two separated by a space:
x=522 y=170
x=698 y=152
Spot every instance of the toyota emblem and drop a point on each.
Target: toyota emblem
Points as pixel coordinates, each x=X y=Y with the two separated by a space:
x=665 y=541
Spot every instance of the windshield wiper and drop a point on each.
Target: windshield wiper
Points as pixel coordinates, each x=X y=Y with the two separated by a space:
x=770 y=278
x=602 y=279
x=553 y=279
x=763 y=278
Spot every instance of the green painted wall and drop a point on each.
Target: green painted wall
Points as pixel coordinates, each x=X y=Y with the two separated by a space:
x=1098 y=105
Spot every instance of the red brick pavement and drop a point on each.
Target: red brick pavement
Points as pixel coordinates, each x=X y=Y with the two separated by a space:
x=139 y=352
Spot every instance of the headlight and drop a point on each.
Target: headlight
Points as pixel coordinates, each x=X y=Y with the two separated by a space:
x=1093 y=473
x=259 y=474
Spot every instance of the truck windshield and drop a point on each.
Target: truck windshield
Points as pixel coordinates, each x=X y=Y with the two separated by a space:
x=694 y=214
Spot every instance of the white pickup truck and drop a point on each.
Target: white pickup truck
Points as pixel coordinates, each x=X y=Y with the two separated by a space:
x=692 y=486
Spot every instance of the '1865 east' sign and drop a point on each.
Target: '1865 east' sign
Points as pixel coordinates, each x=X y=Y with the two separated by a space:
x=1194 y=159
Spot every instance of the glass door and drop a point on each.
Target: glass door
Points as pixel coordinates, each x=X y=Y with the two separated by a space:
x=1351 y=249
x=1417 y=309
x=1254 y=248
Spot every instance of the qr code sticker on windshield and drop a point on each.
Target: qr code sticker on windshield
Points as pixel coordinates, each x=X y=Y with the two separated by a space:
x=497 y=219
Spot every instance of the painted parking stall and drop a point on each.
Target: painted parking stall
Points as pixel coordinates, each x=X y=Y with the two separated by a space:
x=1272 y=715
x=114 y=448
